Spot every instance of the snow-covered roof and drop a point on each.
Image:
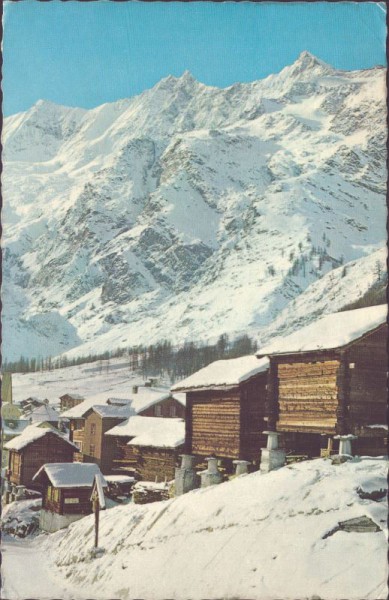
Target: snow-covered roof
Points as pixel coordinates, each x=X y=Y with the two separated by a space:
x=119 y=401
x=33 y=433
x=119 y=478
x=144 y=398
x=160 y=433
x=223 y=373
x=43 y=413
x=112 y=411
x=181 y=398
x=68 y=475
x=151 y=431
x=331 y=331
x=74 y=396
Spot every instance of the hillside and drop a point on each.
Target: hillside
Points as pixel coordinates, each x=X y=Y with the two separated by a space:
x=188 y=211
x=259 y=537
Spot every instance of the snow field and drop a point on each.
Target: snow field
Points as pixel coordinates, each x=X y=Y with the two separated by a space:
x=257 y=536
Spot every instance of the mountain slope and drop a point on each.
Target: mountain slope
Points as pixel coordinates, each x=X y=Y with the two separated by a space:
x=187 y=211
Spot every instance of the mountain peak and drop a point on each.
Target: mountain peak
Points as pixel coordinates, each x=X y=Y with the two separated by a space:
x=306 y=60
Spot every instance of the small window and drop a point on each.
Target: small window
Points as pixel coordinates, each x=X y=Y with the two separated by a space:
x=158 y=411
x=93 y=428
x=79 y=445
x=91 y=450
x=56 y=495
x=173 y=411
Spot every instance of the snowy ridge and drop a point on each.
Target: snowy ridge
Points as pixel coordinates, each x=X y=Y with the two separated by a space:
x=149 y=218
x=283 y=522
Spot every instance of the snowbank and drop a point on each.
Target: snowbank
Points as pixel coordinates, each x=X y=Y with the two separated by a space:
x=257 y=536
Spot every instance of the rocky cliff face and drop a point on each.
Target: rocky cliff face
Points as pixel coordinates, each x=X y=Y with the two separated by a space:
x=187 y=211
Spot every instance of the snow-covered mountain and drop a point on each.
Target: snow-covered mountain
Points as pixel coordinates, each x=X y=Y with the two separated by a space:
x=187 y=211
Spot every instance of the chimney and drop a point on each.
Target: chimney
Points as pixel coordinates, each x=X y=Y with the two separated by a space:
x=134 y=389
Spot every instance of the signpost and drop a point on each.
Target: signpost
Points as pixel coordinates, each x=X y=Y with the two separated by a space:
x=98 y=502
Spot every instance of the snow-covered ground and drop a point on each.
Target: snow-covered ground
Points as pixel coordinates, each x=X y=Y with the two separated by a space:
x=98 y=380
x=25 y=573
x=257 y=536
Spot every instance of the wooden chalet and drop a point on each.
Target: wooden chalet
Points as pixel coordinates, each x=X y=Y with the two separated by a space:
x=68 y=401
x=330 y=378
x=148 y=447
x=95 y=446
x=225 y=408
x=66 y=490
x=143 y=401
x=32 y=449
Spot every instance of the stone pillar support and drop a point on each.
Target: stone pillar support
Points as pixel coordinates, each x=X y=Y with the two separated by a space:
x=212 y=475
x=186 y=478
x=241 y=466
x=345 y=451
x=272 y=457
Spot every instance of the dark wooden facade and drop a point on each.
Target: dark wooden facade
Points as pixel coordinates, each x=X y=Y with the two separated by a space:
x=227 y=423
x=68 y=401
x=67 y=501
x=24 y=463
x=332 y=392
x=97 y=447
x=156 y=464
x=168 y=408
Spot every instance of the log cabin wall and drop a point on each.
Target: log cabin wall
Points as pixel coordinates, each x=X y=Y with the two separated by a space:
x=368 y=363
x=49 y=448
x=213 y=423
x=156 y=464
x=166 y=408
x=308 y=393
x=253 y=397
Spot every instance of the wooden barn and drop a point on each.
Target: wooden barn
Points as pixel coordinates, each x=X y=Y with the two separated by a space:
x=225 y=408
x=32 y=449
x=330 y=378
x=68 y=401
x=66 y=490
x=96 y=447
x=148 y=447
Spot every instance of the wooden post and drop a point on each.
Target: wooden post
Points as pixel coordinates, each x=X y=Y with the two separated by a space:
x=272 y=397
x=343 y=384
x=96 y=510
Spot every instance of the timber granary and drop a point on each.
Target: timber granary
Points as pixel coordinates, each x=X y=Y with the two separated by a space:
x=330 y=378
x=225 y=410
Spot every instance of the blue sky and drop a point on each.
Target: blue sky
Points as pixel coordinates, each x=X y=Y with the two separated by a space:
x=88 y=53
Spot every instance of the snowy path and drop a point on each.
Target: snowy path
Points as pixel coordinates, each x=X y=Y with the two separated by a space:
x=26 y=573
